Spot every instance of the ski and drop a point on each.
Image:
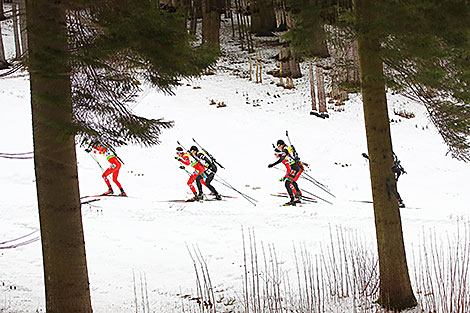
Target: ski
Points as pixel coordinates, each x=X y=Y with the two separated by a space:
x=287 y=196
x=223 y=196
x=303 y=197
x=191 y=201
x=401 y=207
x=89 y=201
x=98 y=196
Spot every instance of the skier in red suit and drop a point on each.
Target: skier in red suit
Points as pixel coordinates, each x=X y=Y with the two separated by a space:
x=112 y=170
x=197 y=175
x=294 y=170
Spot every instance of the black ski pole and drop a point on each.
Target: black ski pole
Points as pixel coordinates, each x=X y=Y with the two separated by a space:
x=314 y=195
x=94 y=158
x=210 y=155
x=226 y=184
x=318 y=184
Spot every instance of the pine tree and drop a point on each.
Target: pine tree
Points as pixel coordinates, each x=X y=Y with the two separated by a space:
x=395 y=286
x=86 y=61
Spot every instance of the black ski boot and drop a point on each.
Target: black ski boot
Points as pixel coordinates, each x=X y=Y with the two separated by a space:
x=218 y=197
x=123 y=193
x=290 y=203
x=195 y=198
x=109 y=192
x=298 y=198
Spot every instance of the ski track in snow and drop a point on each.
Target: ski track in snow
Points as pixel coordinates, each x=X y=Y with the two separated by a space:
x=147 y=236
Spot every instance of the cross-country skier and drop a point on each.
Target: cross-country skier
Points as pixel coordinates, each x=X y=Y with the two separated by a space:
x=294 y=169
x=209 y=172
x=197 y=175
x=113 y=168
x=397 y=169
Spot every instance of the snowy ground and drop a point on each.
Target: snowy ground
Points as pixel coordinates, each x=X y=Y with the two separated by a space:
x=145 y=236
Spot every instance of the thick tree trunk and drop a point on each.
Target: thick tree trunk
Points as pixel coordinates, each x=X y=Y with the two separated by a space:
x=263 y=17
x=65 y=269
x=395 y=286
x=23 y=31
x=3 y=61
x=16 y=33
x=211 y=23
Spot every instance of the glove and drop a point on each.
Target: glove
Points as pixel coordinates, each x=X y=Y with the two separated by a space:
x=182 y=167
x=365 y=155
x=270 y=165
x=88 y=150
x=177 y=158
x=282 y=179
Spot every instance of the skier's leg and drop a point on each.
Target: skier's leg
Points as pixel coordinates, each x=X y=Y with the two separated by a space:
x=190 y=184
x=209 y=179
x=106 y=180
x=117 y=167
x=199 y=184
x=288 y=184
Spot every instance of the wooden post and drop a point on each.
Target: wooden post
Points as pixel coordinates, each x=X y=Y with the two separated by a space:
x=312 y=86
x=251 y=70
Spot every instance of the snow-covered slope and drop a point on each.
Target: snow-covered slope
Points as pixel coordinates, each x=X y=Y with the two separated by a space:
x=144 y=235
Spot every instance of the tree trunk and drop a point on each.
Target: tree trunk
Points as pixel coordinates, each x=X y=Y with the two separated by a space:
x=395 y=287
x=263 y=17
x=3 y=61
x=321 y=90
x=23 y=31
x=63 y=246
x=16 y=33
x=312 y=86
x=211 y=23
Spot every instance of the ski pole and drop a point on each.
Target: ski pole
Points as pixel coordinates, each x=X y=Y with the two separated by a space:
x=248 y=198
x=226 y=184
x=94 y=158
x=210 y=156
x=318 y=184
x=314 y=195
x=316 y=181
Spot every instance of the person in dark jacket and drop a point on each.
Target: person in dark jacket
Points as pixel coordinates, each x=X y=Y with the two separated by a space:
x=294 y=170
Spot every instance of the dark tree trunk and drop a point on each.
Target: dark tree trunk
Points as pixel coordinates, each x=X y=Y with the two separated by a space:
x=321 y=90
x=16 y=33
x=263 y=17
x=3 y=61
x=395 y=287
x=211 y=10
x=312 y=86
x=63 y=246
x=23 y=31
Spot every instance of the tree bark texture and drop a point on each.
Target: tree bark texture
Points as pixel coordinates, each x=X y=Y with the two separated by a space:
x=211 y=10
x=23 y=31
x=312 y=86
x=290 y=66
x=3 y=61
x=395 y=286
x=63 y=246
x=321 y=90
x=263 y=17
x=16 y=33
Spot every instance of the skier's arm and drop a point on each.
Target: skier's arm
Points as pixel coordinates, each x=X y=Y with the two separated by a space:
x=184 y=159
x=283 y=156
